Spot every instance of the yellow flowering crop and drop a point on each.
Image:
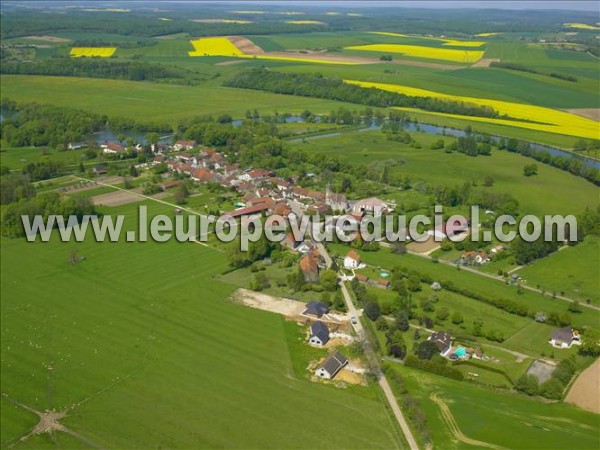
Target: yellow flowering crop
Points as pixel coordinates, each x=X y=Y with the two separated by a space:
x=214 y=46
x=541 y=118
x=581 y=26
x=103 y=52
x=449 y=42
x=419 y=51
x=305 y=22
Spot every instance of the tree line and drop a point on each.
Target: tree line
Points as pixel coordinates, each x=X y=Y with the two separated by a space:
x=102 y=68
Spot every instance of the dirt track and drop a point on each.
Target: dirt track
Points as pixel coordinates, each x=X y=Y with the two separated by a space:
x=451 y=422
x=47 y=38
x=485 y=62
x=246 y=45
x=585 y=391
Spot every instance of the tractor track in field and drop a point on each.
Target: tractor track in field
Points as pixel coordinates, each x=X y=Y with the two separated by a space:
x=456 y=432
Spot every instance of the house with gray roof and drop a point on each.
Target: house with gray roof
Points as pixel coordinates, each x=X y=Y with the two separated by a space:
x=315 y=309
x=564 y=337
x=331 y=366
x=442 y=340
x=319 y=334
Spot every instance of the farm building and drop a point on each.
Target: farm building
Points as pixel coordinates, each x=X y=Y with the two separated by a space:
x=442 y=340
x=371 y=205
x=449 y=229
x=315 y=309
x=564 y=338
x=319 y=334
x=331 y=366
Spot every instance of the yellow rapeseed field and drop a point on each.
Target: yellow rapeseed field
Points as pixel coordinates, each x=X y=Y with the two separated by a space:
x=214 y=46
x=448 y=42
x=103 y=52
x=549 y=120
x=305 y=22
x=486 y=34
x=419 y=51
x=300 y=59
x=581 y=26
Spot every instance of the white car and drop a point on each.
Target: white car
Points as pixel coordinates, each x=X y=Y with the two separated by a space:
x=353 y=320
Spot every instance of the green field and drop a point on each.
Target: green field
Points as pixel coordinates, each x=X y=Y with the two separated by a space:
x=573 y=270
x=154 y=101
x=570 y=194
x=505 y=420
x=142 y=342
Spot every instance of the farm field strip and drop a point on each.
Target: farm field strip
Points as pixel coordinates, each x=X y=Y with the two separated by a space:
x=102 y=52
x=443 y=41
x=553 y=121
x=420 y=51
x=222 y=46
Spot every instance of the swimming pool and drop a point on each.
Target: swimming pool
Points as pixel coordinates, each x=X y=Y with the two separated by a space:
x=460 y=352
x=384 y=274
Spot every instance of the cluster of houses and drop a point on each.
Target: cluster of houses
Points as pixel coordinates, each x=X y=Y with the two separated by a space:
x=321 y=335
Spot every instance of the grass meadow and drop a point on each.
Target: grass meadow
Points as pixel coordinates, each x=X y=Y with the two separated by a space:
x=140 y=344
x=571 y=195
x=573 y=270
x=496 y=418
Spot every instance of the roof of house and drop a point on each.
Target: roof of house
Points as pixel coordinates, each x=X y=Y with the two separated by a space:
x=316 y=308
x=248 y=211
x=203 y=175
x=371 y=203
x=334 y=363
x=362 y=278
x=384 y=283
x=186 y=143
x=450 y=228
x=259 y=173
x=309 y=263
x=320 y=330
x=563 y=334
x=114 y=146
x=353 y=255
x=441 y=339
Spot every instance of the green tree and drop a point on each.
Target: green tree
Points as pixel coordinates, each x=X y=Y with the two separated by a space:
x=426 y=349
x=372 y=311
x=527 y=384
x=328 y=280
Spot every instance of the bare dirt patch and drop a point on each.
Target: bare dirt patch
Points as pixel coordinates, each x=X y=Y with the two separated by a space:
x=116 y=198
x=47 y=38
x=285 y=306
x=423 y=247
x=541 y=370
x=231 y=63
x=485 y=62
x=349 y=377
x=585 y=391
x=246 y=45
x=588 y=113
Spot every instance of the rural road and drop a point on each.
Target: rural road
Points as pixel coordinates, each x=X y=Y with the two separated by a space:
x=372 y=357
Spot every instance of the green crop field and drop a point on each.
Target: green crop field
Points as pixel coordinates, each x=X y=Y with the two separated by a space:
x=570 y=194
x=140 y=345
x=573 y=270
x=497 y=419
x=153 y=101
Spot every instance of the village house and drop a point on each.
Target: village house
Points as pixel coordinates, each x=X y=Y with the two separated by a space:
x=290 y=242
x=248 y=211
x=331 y=366
x=477 y=258
x=255 y=175
x=315 y=309
x=169 y=184
x=76 y=145
x=99 y=170
x=184 y=145
x=564 y=337
x=337 y=202
x=319 y=334
x=371 y=205
x=310 y=268
x=158 y=159
x=352 y=260
x=442 y=340
x=112 y=148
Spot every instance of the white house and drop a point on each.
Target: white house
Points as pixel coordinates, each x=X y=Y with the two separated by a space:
x=184 y=145
x=319 y=334
x=371 y=205
x=352 y=260
x=564 y=338
x=331 y=366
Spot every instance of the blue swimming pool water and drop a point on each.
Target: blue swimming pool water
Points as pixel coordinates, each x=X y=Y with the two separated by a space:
x=460 y=352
